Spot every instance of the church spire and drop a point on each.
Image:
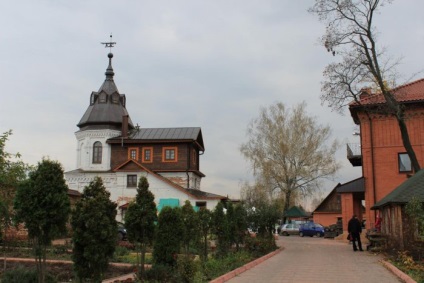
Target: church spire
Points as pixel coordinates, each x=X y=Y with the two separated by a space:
x=107 y=105
x=109 y=71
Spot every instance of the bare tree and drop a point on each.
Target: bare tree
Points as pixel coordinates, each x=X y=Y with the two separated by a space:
x=288 y=149
x=351 y=34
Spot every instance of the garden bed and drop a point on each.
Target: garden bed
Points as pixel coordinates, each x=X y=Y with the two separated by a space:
x=63 y=272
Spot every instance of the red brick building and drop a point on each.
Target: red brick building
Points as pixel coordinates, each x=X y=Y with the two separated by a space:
x=385 y=163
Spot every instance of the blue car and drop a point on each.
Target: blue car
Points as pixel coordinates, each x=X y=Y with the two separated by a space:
x=311 y=229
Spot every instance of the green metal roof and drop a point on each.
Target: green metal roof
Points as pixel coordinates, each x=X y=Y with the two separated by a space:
x=413 y=187
x=295 y=211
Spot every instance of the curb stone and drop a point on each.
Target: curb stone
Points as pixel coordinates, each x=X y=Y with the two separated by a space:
x=396 y=271
x=247 y=266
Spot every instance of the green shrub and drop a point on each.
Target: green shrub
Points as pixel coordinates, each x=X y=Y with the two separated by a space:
x=405 y=262
x=221 y=229
x=215 y=267
x=120 y=251
x=22 y=274
x=132 y=258
x=59 y=249
x=187 y=268
x=160 y=273
x=200 y=277
x=260 y=246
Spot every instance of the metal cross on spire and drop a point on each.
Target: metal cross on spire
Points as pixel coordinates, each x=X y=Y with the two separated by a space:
x=109 y=44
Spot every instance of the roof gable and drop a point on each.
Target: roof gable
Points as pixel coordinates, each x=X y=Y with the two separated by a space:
x=132 y=165
x=413 y=187
x=331 y=197
x=354 y=186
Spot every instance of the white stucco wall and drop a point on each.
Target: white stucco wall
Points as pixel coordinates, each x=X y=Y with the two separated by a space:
x=116 y=184
x=193 y=178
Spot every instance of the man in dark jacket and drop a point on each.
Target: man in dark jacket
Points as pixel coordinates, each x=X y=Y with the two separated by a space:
x=354 y=228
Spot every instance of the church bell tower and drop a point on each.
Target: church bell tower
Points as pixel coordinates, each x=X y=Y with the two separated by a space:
x=101 y=121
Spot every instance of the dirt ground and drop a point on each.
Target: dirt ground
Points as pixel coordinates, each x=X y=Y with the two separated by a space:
x=64 y=272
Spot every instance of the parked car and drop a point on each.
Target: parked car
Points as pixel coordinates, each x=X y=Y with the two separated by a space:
x=289 y=229
x=332 y=231
x=122 y=232
x=311 y=229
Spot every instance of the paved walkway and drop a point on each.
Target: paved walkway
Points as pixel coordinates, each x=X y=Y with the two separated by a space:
x=318 y=260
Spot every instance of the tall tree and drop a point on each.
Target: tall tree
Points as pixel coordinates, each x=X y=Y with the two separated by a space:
x=351 y=33
x=205 y=223
x=94 y=232
x=12 y=173
x=221 y=229
x=263 y=192
x=169 y=236
x=42 y=203
x=289 y=150
x=238 y=223
x=191 y=226
x=140 y=221
x=262 y=215
x=12 y=169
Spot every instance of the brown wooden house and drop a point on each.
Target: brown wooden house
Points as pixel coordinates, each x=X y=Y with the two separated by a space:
x=395 y=222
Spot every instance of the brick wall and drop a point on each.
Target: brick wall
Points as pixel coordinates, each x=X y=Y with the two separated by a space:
x=326 y=219
x=381 y=142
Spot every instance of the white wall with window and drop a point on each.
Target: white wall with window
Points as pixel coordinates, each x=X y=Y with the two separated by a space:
x=93 y=153
x=117 y=184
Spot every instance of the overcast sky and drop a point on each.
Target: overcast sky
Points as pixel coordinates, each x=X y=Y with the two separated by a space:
x=187 y=63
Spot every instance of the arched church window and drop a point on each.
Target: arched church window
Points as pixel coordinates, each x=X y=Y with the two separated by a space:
x=97 y=152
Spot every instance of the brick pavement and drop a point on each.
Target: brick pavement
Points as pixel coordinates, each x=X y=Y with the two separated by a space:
x=318 y=260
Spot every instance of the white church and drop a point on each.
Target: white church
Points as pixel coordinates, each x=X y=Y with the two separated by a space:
x=111 y=147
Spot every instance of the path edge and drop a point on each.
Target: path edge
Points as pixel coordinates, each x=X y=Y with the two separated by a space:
x=247 y=266
x=396 y=271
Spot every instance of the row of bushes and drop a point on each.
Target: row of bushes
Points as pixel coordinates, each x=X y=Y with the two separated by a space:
x=178 y=238
x=190 y=269
x=193 y=260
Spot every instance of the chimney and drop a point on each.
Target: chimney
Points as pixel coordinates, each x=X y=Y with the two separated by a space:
x=124 y=126
x=365 y=93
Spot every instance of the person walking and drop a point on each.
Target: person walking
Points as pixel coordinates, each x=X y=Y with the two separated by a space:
x=354 y=228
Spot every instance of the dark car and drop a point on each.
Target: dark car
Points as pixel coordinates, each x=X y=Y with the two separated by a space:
x=311 y=229
x=289 y=229
x=122 y=232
